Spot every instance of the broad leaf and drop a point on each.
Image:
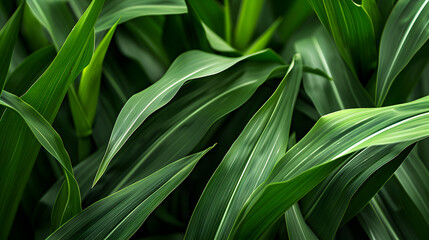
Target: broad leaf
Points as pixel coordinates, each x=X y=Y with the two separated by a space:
x=326 y=209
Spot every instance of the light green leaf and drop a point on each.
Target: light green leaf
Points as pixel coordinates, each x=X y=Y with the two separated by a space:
x=406 y=30
x=119 y=215
x=262 y=41
x=247 y=21
x=332 y=138
x=8 y=37
x=248 y=162
x=188 y=66
x=130 y=9
x=89 y=86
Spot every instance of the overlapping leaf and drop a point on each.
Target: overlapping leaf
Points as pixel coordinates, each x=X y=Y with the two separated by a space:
x=8 y=37
x=68 y=201
x=45 y=96
x=352 y=29
x=321 y=151
x=248 y=162
x=343 y=90
x=405 y=33
x=119 y=215
x=190 y=65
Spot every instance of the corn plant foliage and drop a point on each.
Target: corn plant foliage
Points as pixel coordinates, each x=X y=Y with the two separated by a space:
x=308 y=119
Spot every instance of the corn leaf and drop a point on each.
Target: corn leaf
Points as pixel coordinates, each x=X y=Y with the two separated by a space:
x=130 y=9
x=190 y=65
x=45 y=96
x=333 y=137
x=352 y=29
x=297 y=228
x=176 y=129
x=375 y=222
x=119 y=215
x=405 y=33
x=326 y=209
x=21 y=79
x=8 y=37
x=344 y=90
x=248 y=162
x=68 y=201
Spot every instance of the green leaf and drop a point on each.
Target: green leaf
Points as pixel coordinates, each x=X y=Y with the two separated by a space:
x=262 y=41
x=130 y=9
x=173 y=131
x=8 y=37
x=248 y=162
x=353 y=32
x=325 y=209
x=376 y=224
x=188 y=66
x=21 y=79
x=45 y=96
x=68 y=201
x=405 y=33
x=344 y=90
x=55 y=16
x=89 y=86
x=247 y=21
x=332 y=138
x=297 y=228
x=120 y=215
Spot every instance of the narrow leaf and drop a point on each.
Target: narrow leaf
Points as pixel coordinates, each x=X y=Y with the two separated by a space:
x=8 y=37
x=248 y=162
x=405 y=33
x=331 y=139
x=190 y=65
x=120 y=215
